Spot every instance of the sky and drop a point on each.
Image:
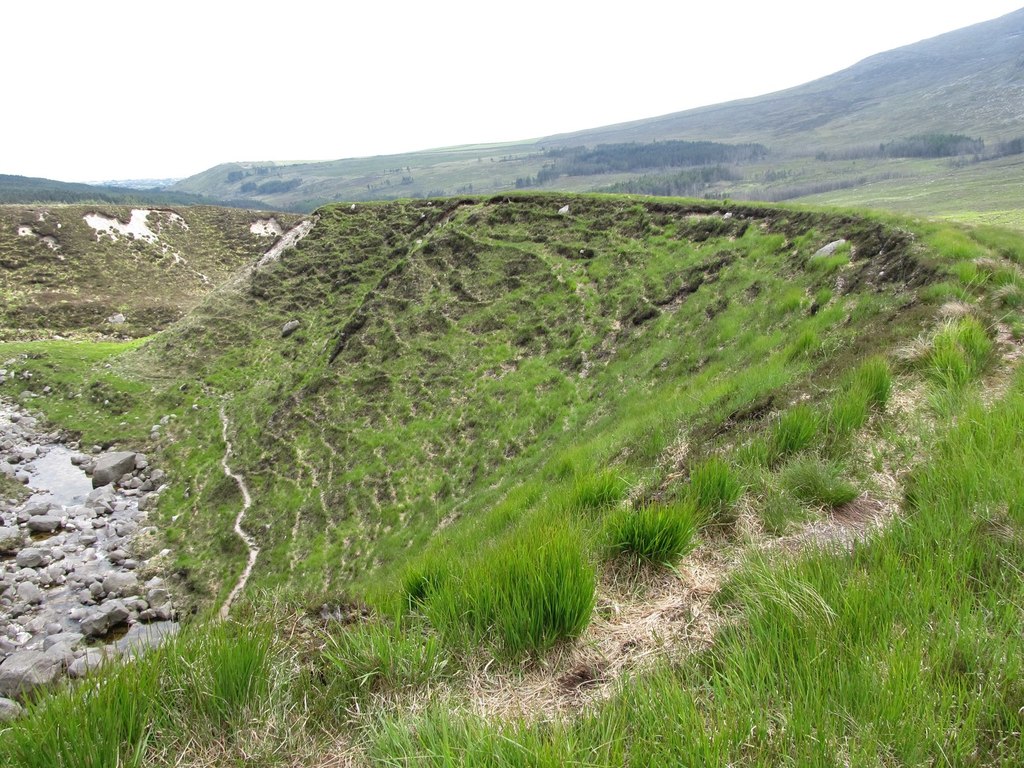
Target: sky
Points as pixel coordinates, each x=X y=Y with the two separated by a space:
x=131 y=90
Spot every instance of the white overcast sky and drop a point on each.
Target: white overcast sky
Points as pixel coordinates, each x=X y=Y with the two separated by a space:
x=115 y=90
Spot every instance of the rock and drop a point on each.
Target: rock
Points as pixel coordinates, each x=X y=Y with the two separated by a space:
x=104 y=618
x=9 y=710
x=144 y=636
x=116 y=319
x=121 y=584
x=22 y=477
x=30 y=557
x=24 y=671
x=44 y=523
x=70 y=639
x=63 y=652
x=563 y=210
x=828 y=250
x=93 y=658
x=289 y=328
x=111 y=466
x=30 y=593
x=11 y=540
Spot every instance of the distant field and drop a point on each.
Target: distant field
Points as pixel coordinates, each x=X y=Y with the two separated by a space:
x=985 y=193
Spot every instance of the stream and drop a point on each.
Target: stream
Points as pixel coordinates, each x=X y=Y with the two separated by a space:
x=73 y=594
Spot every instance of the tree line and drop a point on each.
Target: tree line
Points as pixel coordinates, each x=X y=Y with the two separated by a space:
x=633 y=156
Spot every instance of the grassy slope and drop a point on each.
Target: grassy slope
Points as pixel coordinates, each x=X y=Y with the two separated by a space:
x=480 y=388
x=72 y=284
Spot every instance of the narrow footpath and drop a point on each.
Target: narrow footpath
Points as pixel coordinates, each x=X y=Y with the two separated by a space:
x=254 y=551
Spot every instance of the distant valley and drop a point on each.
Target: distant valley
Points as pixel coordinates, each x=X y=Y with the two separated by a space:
x=921 y=116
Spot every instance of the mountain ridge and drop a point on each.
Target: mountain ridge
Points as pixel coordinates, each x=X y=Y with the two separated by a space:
x=968 y=81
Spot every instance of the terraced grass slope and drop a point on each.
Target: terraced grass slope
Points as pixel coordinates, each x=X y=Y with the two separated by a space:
x=548 y=480
x=65 y=269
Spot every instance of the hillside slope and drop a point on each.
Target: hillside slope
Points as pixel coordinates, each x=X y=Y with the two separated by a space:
x=968 y=82
x=67 y=269
x=568 y=479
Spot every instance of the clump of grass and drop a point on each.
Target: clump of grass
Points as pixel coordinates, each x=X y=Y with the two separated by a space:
x=221 y=676
x=377 y=656
x=661 y=533
x=1010 y=296
x=423 y=578
x=791 y=301
x=714 y=490
x=803 y=345
x=596 y=491
x=959 y=353
x=777 y=510
x=525 y=595
x=874 y=377
x=814 y=481
x=795 y=430
x=868 y=387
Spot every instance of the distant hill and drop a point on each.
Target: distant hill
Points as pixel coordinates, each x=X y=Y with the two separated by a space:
x=29 y=189
x=823 y=136
x=969 y=81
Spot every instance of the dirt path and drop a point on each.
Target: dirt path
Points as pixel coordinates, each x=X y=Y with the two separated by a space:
x=254 y=551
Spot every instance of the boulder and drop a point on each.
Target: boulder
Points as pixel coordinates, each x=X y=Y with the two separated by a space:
x=70 y=639
x=104 y=618
x=111 y=466
x=9 y=710
x=120 y=583
x=31 y=557
x=93 y=658
x=11 y=540
x=144 y=636
x=29 y=593
x=828 y=250
x=24 y=671
x=44 y=523
x=289 y=328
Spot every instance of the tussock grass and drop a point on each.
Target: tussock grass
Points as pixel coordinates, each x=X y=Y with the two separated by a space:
x=959 y=353
x=795 y=431
x=380 y=657
x=92 y=726
x=714 y=489
x=660 y=533
x=595 y=491
x=892 y=634
x=867 y=388
x=814 y=481
x=521 y=597
x=196 y=688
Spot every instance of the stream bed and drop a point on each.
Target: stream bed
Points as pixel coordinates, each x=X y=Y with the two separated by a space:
x=72 y=595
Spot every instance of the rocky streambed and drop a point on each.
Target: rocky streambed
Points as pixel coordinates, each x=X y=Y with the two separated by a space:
x=71 y=595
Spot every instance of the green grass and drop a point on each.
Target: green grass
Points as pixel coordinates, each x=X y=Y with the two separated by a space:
x=960 y=352
x=714 y=489
x=503 y=413
x=660 y=533
x=199 y=687
x=796 y=430
x=522 y=597
x=816 y=482
x=374 y=657
x=891 y=634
